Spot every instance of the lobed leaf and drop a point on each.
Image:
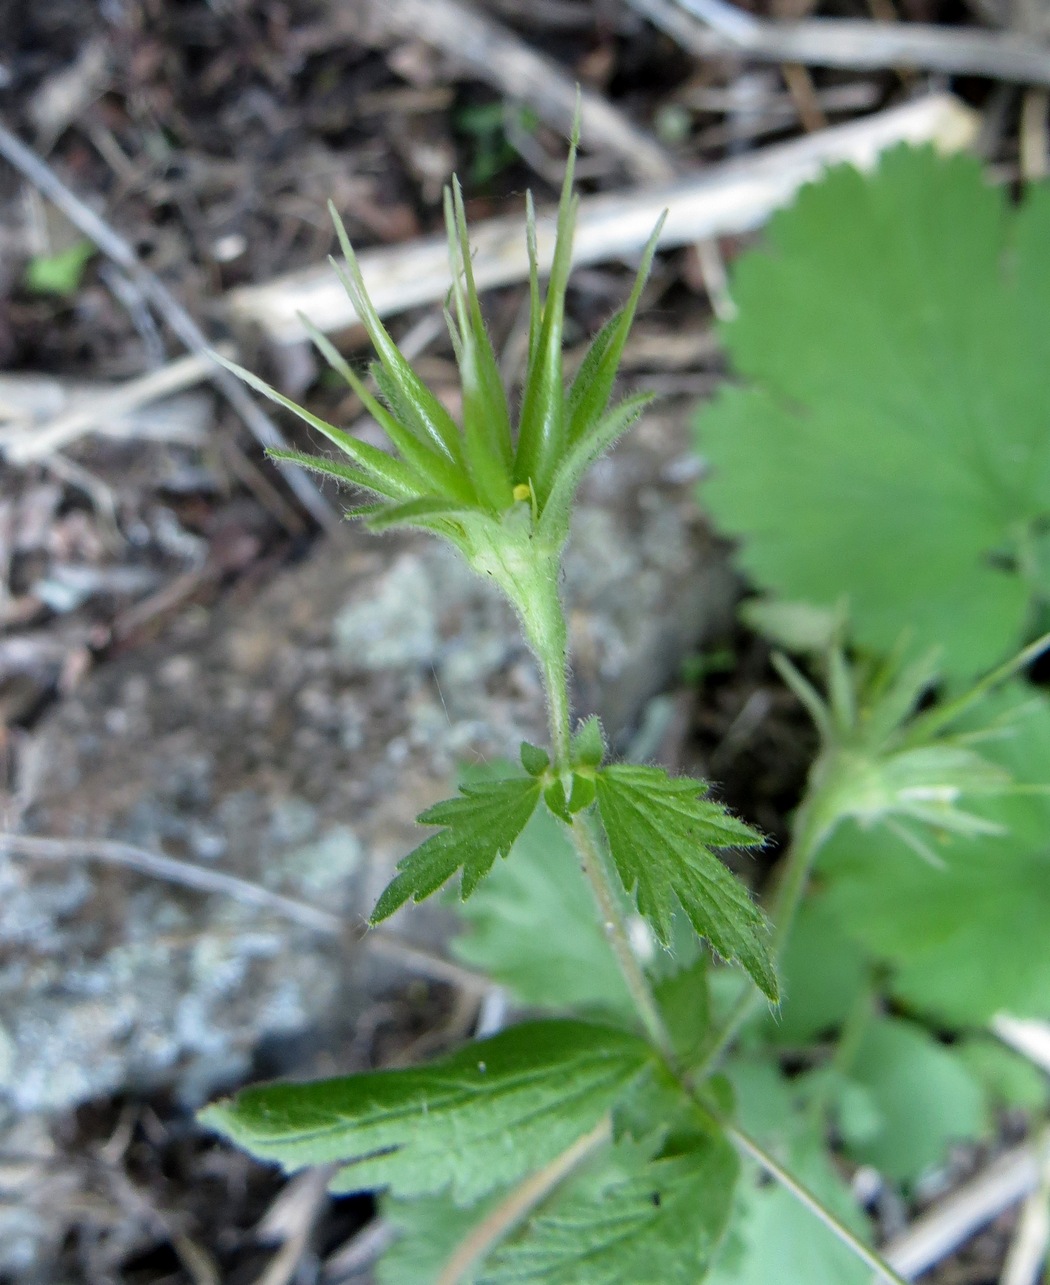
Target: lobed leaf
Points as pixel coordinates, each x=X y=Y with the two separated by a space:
x=660 y=835
x=890 y=447
x=510 y=937
x=472 y=1122
x=479 y=826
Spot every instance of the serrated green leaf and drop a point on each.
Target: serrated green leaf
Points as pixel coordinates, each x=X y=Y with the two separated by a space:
x=635 y=1219
x=964 y=938
x=511 y=940
x=481 y=825
x=660 y=835
x=480 y=1119
x=923 y=1096
x=771 y=1236
x=891 y=448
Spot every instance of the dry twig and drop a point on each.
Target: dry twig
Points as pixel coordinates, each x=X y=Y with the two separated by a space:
x=1005 y=1182
x=729 y=198
x=190 y=875
x=713 y=28
x=104 y=407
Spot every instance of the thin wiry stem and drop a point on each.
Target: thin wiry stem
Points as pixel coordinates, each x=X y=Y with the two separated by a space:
x=804 y=1196
x=554 y=669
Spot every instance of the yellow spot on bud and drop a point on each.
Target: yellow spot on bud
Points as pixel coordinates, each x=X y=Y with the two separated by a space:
x=522 y=491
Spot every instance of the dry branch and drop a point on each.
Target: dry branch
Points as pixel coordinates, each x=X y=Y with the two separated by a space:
x=28 y=439
x=727 y=199
x=498 y=56
x=849 y=43
x=1006 y=1182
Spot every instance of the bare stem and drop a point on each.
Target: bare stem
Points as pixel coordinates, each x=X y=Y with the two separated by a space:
x=521 y=1202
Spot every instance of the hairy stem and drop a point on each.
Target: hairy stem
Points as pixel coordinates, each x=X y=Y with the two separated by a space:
x=517 y=1206
x=619 y=938
x=804 y=1196
x=541 y=611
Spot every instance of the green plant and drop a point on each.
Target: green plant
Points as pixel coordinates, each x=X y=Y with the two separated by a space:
x=617 y=1137
x=59 y=273
x=888 y=447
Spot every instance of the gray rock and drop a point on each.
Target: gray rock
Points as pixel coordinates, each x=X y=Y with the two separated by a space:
x=290 y=740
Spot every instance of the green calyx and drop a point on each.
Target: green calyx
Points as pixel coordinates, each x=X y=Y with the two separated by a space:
x=884 y=763
x=501 y=495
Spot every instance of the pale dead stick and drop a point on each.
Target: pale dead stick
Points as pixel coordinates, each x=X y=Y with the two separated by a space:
x=1006 y=1182
x=513 y=67
x=24 y=446
x=713 y=27
x=727 y=199
x=40 y=174
x=190 y=875
x=1028 y=1247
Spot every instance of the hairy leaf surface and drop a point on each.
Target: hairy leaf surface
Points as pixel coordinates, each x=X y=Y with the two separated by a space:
x=480 y=1119
x=533 y=927
x=890 y=446
x=638 y=1218
x=481 y=825
x=661 y=832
